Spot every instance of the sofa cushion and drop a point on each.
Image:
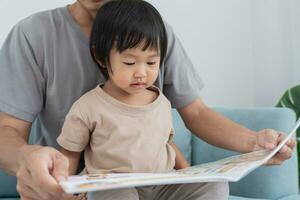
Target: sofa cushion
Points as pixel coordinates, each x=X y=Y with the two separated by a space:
x=265 y=182
x=10 y=198
x=291 y=197
x=7 y=185
x=244 y=198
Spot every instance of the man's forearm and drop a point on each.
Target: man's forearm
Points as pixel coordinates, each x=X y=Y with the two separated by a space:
x=13 y=147
x=222 y=132
x=216 y=129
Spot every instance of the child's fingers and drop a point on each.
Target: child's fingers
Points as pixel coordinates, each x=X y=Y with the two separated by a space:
x=82 y=196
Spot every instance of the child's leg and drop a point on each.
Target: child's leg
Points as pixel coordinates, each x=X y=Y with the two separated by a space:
x=121 y=194
x=193 y=191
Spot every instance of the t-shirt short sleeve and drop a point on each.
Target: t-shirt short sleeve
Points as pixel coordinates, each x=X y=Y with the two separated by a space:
x=75 y=134
x=21 y=81
x=182 y=83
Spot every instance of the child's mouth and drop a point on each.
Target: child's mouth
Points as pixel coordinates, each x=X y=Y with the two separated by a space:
x=138 y=85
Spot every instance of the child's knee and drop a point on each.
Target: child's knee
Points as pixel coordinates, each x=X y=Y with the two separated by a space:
x=223 y=188
x=219 y=190
x=213 y=190
x=122 y=194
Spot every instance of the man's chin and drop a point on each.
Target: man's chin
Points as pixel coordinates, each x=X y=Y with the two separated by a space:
x=92 y=5
x=96 y=5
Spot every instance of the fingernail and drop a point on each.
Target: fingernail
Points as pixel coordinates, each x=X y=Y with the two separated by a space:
x=271 y=146
x=284 y=148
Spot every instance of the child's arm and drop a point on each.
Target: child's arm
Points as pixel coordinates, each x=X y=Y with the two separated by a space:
x=73 y=158
x=180 y=161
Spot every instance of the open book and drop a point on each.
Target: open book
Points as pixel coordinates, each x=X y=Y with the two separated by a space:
x=229 y=169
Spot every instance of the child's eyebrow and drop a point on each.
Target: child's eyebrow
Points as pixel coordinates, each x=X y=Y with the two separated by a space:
x=155 y=55
x=133 y=55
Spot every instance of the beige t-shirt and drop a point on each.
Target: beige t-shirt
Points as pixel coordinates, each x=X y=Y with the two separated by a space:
x=117 y=137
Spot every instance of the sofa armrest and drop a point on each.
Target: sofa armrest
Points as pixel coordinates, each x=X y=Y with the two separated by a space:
x=265 y=182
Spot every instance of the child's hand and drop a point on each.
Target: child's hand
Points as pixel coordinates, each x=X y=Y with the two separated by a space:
x=81 y=196
x=269 y=139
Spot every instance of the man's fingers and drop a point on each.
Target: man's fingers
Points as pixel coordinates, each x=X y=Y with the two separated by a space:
x=23 y=185
x=26 y=192
x=24 y=197
x=40 y=167
x=274 y=161
x=285 y=152
x=291 y=143
x=283 y=149
x=35 y=176
x=268 y=138
x=60 y=167
x=23 y=177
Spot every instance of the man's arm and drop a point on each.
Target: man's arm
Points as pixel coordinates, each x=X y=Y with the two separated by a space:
x=14 y=136
x=222 y=132
x=216 y=129
x=37 y=168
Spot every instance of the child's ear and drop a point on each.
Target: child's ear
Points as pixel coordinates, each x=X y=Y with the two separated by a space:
x=94 y=55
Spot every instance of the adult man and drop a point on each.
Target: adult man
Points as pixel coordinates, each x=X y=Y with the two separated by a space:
x=48 y=55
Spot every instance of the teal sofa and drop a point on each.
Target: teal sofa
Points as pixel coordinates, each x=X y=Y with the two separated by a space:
x=265 y=183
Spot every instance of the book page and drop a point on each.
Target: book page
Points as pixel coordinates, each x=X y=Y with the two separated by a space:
x=228 y=169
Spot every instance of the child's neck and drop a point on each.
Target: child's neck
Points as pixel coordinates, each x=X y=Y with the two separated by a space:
x=138 y=99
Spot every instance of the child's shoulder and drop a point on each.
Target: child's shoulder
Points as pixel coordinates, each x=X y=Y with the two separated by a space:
x=87 y=99
x=155 y=93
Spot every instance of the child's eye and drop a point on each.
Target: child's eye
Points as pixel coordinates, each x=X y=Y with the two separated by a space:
x=129 y=63
x=151 y=63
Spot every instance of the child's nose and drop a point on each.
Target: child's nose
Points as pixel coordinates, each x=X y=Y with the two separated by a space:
x=140 y=72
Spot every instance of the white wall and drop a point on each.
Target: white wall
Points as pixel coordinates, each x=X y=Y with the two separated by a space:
x=245 y=50
x=13 y=11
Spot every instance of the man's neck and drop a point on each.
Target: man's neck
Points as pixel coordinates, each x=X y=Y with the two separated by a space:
x=83 y=17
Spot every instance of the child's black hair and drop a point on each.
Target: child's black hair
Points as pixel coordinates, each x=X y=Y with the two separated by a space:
x=126 y=24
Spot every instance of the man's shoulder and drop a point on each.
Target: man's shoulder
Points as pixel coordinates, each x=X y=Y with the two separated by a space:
x=41 y=21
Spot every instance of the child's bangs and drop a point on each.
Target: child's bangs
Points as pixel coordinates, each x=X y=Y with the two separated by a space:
x=138 y=39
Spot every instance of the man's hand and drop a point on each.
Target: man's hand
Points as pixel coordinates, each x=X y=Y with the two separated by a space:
x=39 y=173
x=38 y=169
x=269 y=139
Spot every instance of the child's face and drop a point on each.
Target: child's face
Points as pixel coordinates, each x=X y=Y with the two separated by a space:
x=134 y=70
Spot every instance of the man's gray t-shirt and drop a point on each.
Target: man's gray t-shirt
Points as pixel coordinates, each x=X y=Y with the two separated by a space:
x=45 y=65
